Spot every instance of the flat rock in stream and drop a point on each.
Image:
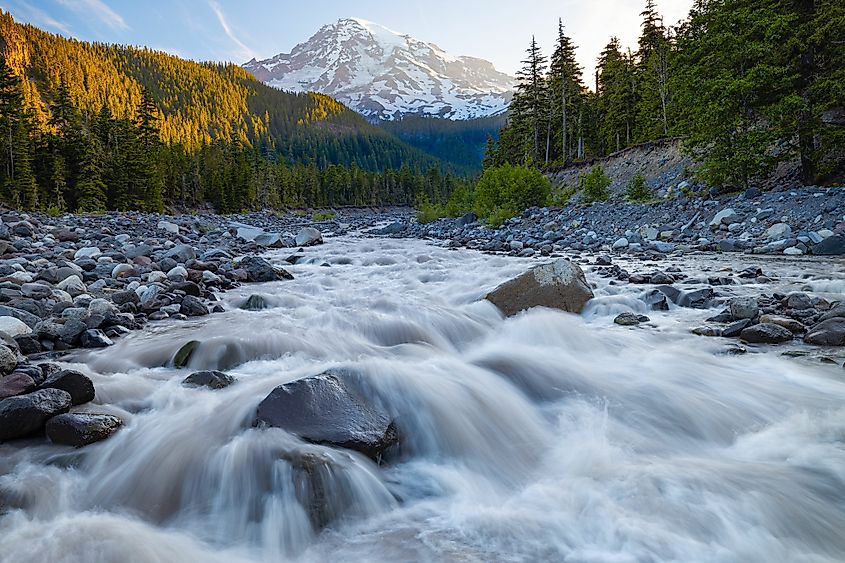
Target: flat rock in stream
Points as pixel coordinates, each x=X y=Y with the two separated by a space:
x=559 y=285
x=81 y=429
x=327 y=409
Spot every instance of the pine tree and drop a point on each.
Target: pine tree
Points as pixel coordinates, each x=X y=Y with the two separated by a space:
x=566 y=90
x=92 y=189
x=18 y=182
x=531 y=101
x=615 y=98
x=652 y=77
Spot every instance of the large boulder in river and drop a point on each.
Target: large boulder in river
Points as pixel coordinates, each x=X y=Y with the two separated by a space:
x=81 y=429
x=559 y=285
x=827 y=333
x=309 y=236
x=26 y=414
x=328 y=409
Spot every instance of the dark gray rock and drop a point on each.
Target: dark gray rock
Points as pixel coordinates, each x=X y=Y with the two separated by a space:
x=255 y=303
x=259 y=270
x=328 y=409
x=81 y=429
x=734 y=330
x=25 y=415
x=831 y=246
x=95 y=338
x=630 y=319
x=193 y=307
x=210 y=379
x=827 y=333
x=766 y=334
x=78 y=385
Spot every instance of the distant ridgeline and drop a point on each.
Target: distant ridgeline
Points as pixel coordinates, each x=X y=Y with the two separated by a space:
x=90 y=127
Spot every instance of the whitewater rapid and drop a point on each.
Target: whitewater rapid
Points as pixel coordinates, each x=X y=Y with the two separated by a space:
x=544 y=437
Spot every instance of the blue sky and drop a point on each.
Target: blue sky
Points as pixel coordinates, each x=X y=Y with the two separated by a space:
x=237 y=30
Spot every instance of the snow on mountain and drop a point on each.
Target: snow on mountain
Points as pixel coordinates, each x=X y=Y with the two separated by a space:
x=385 y=75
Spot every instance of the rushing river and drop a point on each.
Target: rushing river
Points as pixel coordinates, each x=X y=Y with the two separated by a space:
x=545 y=437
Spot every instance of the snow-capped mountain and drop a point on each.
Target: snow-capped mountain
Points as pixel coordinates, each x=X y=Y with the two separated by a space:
x=385 y=75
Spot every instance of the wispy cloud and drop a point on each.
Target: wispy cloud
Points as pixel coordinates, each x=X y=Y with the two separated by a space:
x=98 y=9
x=244 y=52
x=39 y=17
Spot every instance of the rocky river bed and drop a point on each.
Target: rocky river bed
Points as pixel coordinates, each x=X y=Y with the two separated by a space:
x=691 y=411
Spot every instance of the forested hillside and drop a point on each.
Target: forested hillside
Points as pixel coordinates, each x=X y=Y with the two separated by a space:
x=460 y=142
x=746 y=83
x=88 y=126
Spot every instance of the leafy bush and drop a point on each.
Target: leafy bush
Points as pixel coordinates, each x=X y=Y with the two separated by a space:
x=53 y=211
x=504 y=191
x=324 y=216
x=594 y=185
x=562 y=197
x=428 y=212
x=460 y=202
x=638 y=190
x=500 y=215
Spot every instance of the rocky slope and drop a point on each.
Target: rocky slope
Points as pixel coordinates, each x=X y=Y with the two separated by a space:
x=385 y=75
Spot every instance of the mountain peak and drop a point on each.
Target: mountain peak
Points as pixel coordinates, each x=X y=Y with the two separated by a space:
x=384 y=74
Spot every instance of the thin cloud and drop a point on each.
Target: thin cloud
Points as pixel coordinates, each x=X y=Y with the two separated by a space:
x=245 y=52
x=98 y=9
x=40 y=18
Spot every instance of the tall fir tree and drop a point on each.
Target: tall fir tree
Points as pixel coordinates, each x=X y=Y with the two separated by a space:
x=531 y=100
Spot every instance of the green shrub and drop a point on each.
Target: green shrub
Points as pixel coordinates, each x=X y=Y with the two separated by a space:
x=324 y=216
x=507 y=190
x=501 y=214
x=561 y=198
x=53 y=211
x=594 y=185
x=460 y=202
x=428 y=212
x=638 y=190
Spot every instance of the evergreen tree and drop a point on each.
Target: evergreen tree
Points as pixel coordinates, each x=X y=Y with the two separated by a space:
x=615 y=98
x=566 y=90
x=652 y=73
x=92 y=189
x=530 y=103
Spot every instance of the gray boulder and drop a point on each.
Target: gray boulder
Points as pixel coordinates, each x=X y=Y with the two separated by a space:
x=81 y=429
x=328 y=409
x=559 y=285
x=827 y=333
x=260 y=270
x=26 y=414
x=766 y=334
x=831 y=246
x=309 y=236
x=744 y=308
x=77 y=385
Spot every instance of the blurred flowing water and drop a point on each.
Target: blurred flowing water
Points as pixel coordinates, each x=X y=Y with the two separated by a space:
x=544 y=437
